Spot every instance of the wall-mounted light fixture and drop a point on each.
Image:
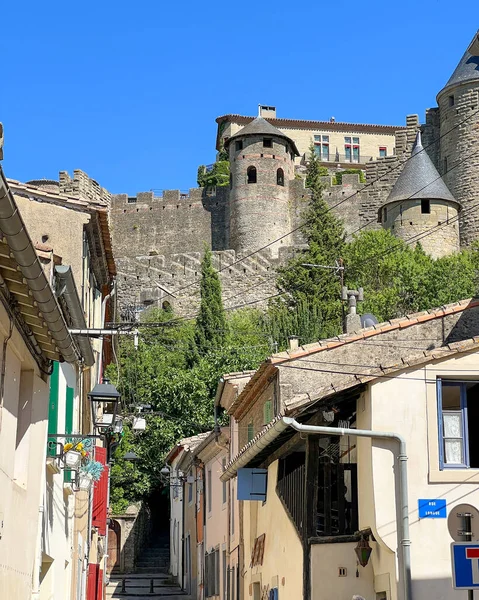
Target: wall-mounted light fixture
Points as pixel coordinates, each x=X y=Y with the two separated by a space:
x=363 y=551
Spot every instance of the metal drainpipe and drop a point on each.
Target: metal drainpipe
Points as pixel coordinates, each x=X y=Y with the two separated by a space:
x=103 y=313
x=404 y=541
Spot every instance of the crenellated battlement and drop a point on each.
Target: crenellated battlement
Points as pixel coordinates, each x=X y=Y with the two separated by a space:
x=84 y=187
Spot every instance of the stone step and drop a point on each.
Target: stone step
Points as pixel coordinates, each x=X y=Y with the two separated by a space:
x=148 y=569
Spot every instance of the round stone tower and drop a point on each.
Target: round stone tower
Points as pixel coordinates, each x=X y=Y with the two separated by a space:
x=458 y=105
x=421 y=208
x=262 y=166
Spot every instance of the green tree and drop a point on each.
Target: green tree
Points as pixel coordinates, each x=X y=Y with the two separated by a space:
x=398 y=279
x=314 y=293
x=218 y=176
x=181 y=395
x=210 y=327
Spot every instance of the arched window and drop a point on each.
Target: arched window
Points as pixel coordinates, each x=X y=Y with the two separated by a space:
x=280 y=177
x=251 y=174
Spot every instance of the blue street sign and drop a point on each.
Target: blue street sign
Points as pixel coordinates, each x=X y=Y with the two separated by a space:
x=432 y=508
x=465 y=565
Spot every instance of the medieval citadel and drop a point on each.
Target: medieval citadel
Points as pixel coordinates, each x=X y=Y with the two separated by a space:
x=422 y=189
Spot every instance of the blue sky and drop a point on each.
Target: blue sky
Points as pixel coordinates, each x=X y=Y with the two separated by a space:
x=129 y=92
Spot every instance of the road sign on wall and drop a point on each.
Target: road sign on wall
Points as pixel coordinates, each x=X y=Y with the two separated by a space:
x=432 y=508
x=465 y=565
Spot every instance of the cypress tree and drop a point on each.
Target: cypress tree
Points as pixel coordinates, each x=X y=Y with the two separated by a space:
x=324 y=234
x=210 y=328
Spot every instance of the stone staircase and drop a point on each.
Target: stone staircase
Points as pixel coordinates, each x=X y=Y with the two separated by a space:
x=155 y=558
x=150 y=579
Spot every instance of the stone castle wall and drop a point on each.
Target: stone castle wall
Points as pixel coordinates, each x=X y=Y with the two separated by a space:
x=171 y=223
x=158 y=244
x=84 y=187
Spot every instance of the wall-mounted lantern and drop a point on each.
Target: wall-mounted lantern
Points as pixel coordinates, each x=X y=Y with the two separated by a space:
x=363 y=551
x=104 y=399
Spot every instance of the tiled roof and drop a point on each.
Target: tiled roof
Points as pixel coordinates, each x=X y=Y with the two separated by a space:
x=375 y=330
x=326 y=125
x=419 y=179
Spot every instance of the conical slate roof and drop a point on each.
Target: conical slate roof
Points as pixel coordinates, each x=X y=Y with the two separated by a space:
x=260 y=126
x=468 y=67
x=419 y=179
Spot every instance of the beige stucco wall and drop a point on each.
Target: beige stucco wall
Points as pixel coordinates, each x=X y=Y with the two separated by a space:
x=63 y=226
x=326 y=584
x=216 y=521
x=21 y=470
x=369 y=142
x=283 y=552
x=408 y=405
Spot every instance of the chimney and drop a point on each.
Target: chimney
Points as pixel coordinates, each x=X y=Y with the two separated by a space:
x=293 y=342
x=267 y=112
x=353 y=320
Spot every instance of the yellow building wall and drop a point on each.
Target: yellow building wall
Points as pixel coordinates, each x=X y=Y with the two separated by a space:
x=369 y=143
x=283 y=551
x=326 y=584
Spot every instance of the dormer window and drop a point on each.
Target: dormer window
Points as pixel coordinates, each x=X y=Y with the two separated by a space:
x=267 y=143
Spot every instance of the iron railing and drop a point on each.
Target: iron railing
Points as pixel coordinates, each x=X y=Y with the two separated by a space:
x=291 y=490
x=337 y=512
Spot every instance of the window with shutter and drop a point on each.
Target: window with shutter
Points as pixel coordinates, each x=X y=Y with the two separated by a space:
x=250 y=431
x=100 y=494
x=267 y=412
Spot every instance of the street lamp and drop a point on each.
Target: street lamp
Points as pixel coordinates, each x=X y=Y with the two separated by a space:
x=131 y=457
x=104 y=399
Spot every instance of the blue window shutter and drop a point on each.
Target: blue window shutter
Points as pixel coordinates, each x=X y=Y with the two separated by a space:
x=252 y=484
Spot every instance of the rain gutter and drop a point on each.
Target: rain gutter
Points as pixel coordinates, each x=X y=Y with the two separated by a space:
x=14 y=230
x=68 y=291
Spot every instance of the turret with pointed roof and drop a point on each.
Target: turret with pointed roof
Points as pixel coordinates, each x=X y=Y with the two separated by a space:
x=420 y=207
x=458 y=137
x=262 y=169
x=468 y=68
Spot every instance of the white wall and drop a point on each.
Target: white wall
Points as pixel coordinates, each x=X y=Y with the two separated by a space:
x=21 y=474
x=408 y=405
x=176 y=523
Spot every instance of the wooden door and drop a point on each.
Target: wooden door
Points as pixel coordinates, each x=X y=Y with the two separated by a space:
x=114 y=538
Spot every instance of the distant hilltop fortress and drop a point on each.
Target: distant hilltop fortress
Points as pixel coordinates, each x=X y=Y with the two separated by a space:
x=419 y=181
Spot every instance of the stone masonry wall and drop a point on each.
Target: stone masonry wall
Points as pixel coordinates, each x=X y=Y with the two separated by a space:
x=153 y=280
x=459 y=119
x=84 y=187
x=175 y=222
x=158 y=245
